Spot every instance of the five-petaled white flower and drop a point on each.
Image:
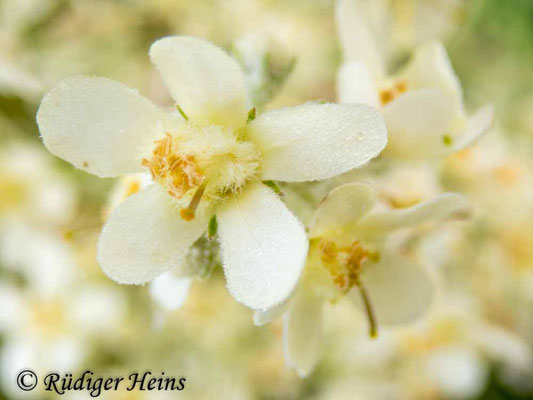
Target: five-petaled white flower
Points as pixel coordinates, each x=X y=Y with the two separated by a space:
x=205 y=160
x=422 y=103
x=349 y=255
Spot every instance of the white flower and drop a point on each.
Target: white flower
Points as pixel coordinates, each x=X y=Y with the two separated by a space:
x=422 y=103
x=348 y=255
x=31 y=189
x=207 y=161
x=376 y=32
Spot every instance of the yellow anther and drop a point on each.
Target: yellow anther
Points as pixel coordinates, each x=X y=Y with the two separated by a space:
x=344 y=263
x=178 y=173
x=387 y=94
x=188 y=213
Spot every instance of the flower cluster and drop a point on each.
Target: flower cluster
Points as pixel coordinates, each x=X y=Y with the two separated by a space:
x=302 y=208
x=213 y=163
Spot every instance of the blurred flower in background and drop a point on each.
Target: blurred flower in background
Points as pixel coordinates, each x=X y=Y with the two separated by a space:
x=60 y=312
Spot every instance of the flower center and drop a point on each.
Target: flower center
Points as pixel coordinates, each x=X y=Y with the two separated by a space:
x=344 y=263
x=202 y=162
x=389 y=93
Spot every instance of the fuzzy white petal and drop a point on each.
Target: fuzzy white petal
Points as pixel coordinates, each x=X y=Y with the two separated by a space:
x=446 y=205
x=170 y=291
x=342 y=207
x=263 y=247
x=399 y=290
x=302 y=332
x=205 y=81
x=359 y=42
x=263 y=317
x=145 y=236
x=418 y=122
x=317 y=141
x=476 y=126
x=355 y=84
x=99 y=125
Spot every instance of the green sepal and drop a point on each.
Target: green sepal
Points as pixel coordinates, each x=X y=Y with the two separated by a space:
x=182 y=112
x=212 y=227
x=252 y=114
x=275 y=187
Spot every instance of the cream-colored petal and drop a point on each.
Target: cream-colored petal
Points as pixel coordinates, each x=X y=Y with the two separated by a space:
x=263 y=247
x=476 y=126
x=205 y=81
x=99 y=125
x=302 y=332
x=381 y=223
x=170 y=291
x=358 y=40
x=317 y=141
x=343 y=207
x=263 y=317
x=355 y=84
x=431 y=68
x=399 y=289
x=145 y=236
x=418 y=123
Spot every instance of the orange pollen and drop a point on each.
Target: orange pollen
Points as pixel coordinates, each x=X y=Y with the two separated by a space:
x=189 y=213
x=344 y=263
x=178 y=173
x=388 y=94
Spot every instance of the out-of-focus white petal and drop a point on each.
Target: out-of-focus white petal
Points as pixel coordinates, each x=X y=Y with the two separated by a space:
x=356 y=85
x=458 y=372
x=418 y=123
x=400 y=290
x=431 y=68
x=31 y=251
x=170 y=291
x=12 y=309
x=98 y=309
x=263 y=247
x=358 y=41
x=317 y=141
x=99 y=125
x=342 y=207
x=145 y=236
x=16 y=81
x=205 y=81
x=502 y=345
x=476 y=125
x=446 y=205
x=302 y=332
x=263 y=317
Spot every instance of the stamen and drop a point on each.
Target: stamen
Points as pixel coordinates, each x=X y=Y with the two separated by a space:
x=188 y=213
x=372 y=322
